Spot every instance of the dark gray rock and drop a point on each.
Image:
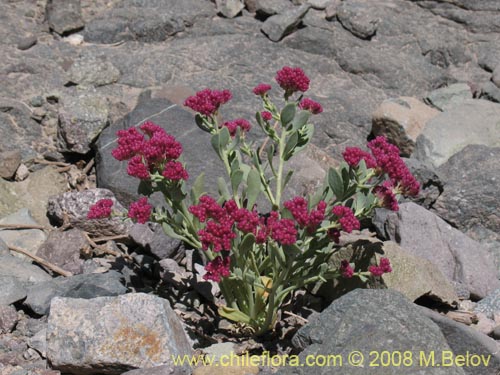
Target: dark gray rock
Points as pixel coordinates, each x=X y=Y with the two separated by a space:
x=63 y=249
x=11 y=290
x=471 y=122
x=9 y=161
x=495 y=76
x=280 y=25
x=73 y=207
x=153 y=239
x=146 y=21
x=357 y=18
x=64 y=16
x=141 y=331
x=93 y=71
x=268 y=8
x=229 y=8
x=198 y=154
x=8 y=318
x=86 y=286
x=463 y=339
x=370 y=320
x=81 y=119
x=459 y=257
x=431 y=184
x=470 y=196
x=447 y=97
x=23 y=271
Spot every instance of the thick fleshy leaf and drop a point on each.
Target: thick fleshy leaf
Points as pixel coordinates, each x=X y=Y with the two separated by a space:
x=287 y=114
x=223 y=190
x=300 y=119
x=201 y=123
x=254 y=187
x=291 y=143
x=336 y=184
x=145 y=188
x=236 y=178
x=234 y=315
x=198 y=188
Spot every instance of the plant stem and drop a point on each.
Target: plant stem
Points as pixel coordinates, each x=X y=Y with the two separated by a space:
x=280 y=168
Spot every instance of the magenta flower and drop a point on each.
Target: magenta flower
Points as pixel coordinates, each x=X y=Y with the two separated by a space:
x=101 y=209
x=298 y=208
x=217 y=268
x=175 y=171
x=311 y=106
x=266 y=115
x=345 y=269
x=292 y=80
x=383 y=267
x=241 y=123
x=261 y=89
x=140 y=210
x=207 y=101
x=386 y=196
x=346 y=217
x=353 y=155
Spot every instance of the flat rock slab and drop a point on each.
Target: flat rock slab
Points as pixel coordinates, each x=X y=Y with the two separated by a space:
x=470 y=122
x=85 y=286
x=280 y=25
x=424 y=234
x=24 y=271
x=370 y=320
x=27 y=239
x=112 y=335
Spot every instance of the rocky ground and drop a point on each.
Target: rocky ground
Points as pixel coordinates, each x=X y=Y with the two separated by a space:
x=425 y=73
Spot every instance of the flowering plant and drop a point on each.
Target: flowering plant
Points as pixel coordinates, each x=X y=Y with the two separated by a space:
x=259 y=259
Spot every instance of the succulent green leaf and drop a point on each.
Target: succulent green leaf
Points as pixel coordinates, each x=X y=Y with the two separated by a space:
x=291 y=143
x=236 y=178
x=300 y=119
x=200 y=121
x=145 y=188
x=234 y=315
x=254 y=187
x=287 y=114
x=223 y=190
x=198 y=188
x=336 y=184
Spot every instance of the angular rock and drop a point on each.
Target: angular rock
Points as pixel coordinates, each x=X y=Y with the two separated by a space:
x=23 y=271
x=22 y=173
x=357 y=18
x=4 y=248
x=73 y=207
x=93 y=71
x=471 y=122
x=462 y=339
x=8 y=318
x=11 y=290
x=449 y=96
x=425 y=235
x=280 y=25
x=114 y=334
x=364 y=321
x=86 y=287
x=470 y=196
x=27 y=42
x=81 y=119
x=64 y=15
x=331 y=10
x=9 y=161
x=401 y=120
x=229 y=8
x=431 y=184
x=27 y=239
x=489 y=91
x=490 y=305
x=32 y=193
x=39 y=342
x=320 y=4
x=495 y=76
x=153 y=239
x=415 y=277
x=63 y=249
x=271 y=7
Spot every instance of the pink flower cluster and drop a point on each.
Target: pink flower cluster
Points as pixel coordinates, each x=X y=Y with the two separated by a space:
x=311 y=106
x=292 y=80
x=217 y=268
x=261 y=89
x=388 y=159
x=140 y=210
x=146 y=155
x=298 y=208
x=101 y=209
x=207 y=102
x=241 y=123
x=353 y=155
x=345 y=269
x=383 y=267
x=386 y=196
x=346 y=217
x=266 y=115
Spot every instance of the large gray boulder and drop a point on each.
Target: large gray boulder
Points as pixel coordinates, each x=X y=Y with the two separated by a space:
x=110 y=335
x=25 y=272
x=366 y=320
x=460 y=258
x=64 y=16
x=471 y=122
x=280 y=25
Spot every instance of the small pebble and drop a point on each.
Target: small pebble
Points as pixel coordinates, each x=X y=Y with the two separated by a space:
x=27 y=43
x=74 y=39
x=22 y=173
x=36 y=101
